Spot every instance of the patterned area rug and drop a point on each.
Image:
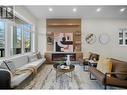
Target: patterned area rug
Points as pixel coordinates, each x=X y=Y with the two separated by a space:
x=46 y=79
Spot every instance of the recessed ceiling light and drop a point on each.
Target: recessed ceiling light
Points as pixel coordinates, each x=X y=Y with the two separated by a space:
x=74 y=9
x=98 y=9
x=122 y=10
x=50 y=9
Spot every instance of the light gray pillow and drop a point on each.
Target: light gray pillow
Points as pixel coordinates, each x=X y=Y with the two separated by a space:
x=10 y=65
x=32 y=58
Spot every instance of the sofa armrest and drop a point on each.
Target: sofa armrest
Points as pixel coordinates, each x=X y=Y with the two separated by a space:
x=5 y=79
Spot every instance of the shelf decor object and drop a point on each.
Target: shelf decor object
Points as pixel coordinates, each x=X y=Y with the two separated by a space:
x=104 y=38
x=90 y=38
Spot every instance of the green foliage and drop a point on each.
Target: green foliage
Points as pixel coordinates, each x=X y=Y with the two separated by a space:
x=61 y=62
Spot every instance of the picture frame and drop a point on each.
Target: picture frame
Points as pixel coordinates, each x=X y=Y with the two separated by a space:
x=104 y=38
x=90 y=38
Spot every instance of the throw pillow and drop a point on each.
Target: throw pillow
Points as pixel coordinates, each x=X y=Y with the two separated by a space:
x=32 y=58
x=87 y=55
x=10 y=65
x=104 y=65
x=39 y=55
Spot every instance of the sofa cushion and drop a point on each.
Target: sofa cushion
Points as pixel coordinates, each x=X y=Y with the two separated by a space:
x=16 y=80
x=32 y=58
x=104 y=65
x=20 y=61
x=37 y=63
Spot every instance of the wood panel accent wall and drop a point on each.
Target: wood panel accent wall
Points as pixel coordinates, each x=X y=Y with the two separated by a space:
x=64 y=25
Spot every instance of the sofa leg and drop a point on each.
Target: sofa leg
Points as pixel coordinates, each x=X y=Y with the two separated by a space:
x=91 y=77
x=105 y=87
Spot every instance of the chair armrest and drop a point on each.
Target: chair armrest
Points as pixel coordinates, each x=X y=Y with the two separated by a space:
x=113 y=73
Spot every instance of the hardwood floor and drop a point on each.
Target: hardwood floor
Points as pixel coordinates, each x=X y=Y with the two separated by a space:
x=46 y=79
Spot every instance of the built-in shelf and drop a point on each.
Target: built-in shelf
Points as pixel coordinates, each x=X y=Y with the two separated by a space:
x=77 y=42
x=77 y=34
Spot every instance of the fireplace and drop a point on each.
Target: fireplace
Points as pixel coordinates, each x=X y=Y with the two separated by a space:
x=62 y=56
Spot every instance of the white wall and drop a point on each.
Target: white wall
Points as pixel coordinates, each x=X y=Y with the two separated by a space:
x=109 y=26
x=42 y=36
x=22 y=12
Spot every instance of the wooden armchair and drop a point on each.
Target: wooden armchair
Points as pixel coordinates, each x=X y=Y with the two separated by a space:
x=92 y=56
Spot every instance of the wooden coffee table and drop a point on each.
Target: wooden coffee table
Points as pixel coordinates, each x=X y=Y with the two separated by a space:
x=60 y=71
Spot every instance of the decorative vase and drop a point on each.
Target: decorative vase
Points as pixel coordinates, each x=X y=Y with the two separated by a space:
x=68 y=62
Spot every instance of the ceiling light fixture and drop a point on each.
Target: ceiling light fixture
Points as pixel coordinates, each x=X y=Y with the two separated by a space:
x=74 y=9
x=98 y=9
x=122 y=10
x=50 y=9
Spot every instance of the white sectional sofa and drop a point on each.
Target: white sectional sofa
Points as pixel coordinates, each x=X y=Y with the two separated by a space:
x=21 y=67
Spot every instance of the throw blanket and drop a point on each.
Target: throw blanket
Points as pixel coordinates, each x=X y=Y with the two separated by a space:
x=25 y=69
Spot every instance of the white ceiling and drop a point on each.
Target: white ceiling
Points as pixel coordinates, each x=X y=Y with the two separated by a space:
x=82 y=11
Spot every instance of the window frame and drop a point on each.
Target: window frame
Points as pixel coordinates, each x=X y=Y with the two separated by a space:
x=4 y=51
x=15 y=27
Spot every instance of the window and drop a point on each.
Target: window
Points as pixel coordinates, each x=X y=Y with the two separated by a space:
x=21 y=37
x=2 y=39
x=18 y=35
x=123 y=37
x=27 y=37
x=17 y=40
